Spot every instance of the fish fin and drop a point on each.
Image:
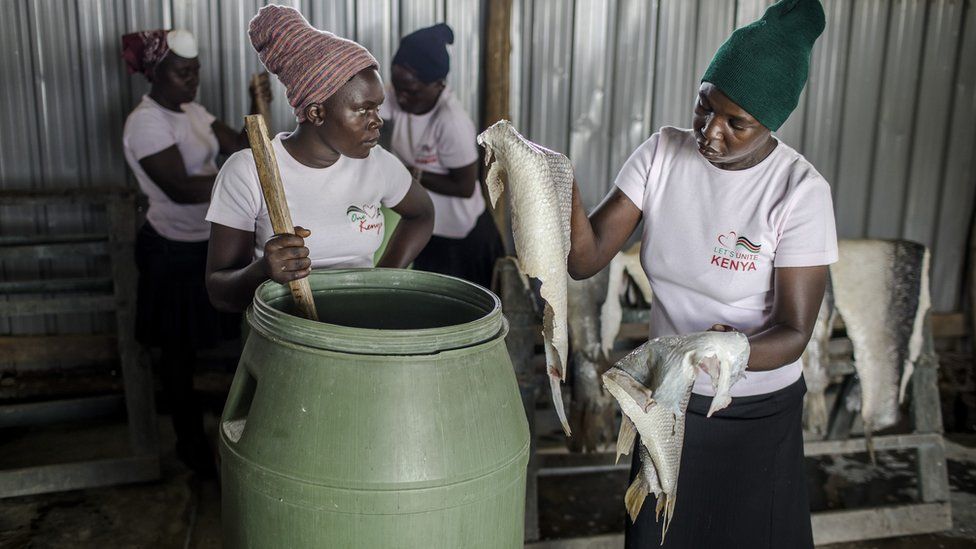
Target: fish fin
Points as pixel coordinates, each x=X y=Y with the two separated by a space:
x=625 y=438
x=494 y=180
x=635 y=496
x=640 y=394
x=557 y=401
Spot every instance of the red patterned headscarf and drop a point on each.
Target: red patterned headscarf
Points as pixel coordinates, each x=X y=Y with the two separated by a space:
x=142 y=51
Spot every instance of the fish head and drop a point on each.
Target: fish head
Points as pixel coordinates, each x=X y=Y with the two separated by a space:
x=724 y=357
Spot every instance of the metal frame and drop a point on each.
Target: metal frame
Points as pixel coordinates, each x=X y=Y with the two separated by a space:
x=142 y=463
x=931 y=514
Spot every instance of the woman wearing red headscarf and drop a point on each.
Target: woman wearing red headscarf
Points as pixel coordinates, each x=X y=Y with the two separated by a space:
x=335 y=178
x=171 y=144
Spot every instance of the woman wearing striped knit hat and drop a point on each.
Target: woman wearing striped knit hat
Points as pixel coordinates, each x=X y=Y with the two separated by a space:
x=335 y=178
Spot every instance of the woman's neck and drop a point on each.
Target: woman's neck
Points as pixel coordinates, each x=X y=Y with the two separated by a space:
x=164 y=101
x=307 y=147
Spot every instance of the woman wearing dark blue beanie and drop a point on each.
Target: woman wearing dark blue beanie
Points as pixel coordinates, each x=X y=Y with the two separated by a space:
x=435 y=138
x=738 y=231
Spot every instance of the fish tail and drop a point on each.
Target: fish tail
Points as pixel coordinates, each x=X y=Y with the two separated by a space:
x=635 y=496
x=557 y=401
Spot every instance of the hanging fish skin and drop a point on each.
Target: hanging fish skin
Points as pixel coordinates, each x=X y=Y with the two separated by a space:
x=653 y=385
x=540 y=187
x=881 y=290
x=816 y=362
x=592 y=411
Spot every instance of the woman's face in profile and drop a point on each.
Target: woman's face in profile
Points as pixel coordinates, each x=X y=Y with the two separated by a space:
x=351 y=122
x=727 y=135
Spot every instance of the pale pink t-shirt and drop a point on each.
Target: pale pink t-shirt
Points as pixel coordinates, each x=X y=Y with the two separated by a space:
x=151 y=128
x=436 y=142
x=340 y=205
x=712 y=238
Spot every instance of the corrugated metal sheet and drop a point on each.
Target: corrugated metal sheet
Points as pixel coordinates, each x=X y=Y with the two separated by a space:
x=66 y=94
x=887 y=116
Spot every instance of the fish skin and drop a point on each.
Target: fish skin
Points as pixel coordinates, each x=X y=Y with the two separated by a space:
x=592 y=409
x=653 y=385
x=816 y=361
x=540 y=187
x=881 y=291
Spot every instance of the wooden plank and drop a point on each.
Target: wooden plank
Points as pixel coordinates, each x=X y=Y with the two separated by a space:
x=82 y=348
x=74 y=195
x=54 y=251
x=76 y=476
x=498 y=89
x=56 y=285
x=605 y=541
x=828 y=527
x=880 y=522
x=74 y=409
x=58 y=305
x=881 y=443
x=33 y=240
x=136 y=367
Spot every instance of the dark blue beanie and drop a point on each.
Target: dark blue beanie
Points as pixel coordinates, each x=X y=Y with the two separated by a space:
x=424 y=52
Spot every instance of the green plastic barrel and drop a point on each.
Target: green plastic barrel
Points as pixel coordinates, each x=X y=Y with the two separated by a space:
x=396 y=421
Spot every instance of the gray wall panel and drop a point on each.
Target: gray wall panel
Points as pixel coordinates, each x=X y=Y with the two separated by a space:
x=895 y=122
x=959 y=183
x=589 y=140
x=863 y=88
x=548 y=115
x=632 y=88
x=932 y=120
x=825 y=91
x=466 y=17
x=676 y=73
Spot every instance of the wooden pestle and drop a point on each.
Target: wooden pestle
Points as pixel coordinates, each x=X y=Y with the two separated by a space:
x=274 y=196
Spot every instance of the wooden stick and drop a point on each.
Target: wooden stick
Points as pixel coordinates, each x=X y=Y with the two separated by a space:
x=274 y=196
x=264 y=109
x=497 y=91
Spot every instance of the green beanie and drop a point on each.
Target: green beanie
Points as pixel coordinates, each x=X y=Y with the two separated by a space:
x=763 y=66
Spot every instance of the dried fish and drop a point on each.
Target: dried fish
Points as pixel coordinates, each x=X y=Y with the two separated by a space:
x=881 y=290
x=540 y=187
x=653 y=385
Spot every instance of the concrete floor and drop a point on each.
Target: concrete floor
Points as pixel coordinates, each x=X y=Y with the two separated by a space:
x=181 y=512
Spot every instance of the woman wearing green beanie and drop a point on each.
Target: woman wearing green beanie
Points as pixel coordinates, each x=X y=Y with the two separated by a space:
x=738 y=233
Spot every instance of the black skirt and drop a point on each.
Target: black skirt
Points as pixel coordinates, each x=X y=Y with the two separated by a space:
x=172 y=307
x=471 y=258
x=742 y=482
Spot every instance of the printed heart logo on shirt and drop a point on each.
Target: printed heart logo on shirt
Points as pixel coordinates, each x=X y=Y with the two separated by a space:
x=727 y=240
x=371 y=210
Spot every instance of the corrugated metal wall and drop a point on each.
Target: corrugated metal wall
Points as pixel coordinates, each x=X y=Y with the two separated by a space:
x=65 y=95
x=888 y=116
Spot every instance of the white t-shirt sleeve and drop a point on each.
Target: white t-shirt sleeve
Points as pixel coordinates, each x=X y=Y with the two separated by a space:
x=147 y=132
x=236 y=201
x=809 y=236
x=633 y=176
x=396 y=177
x=456 y=147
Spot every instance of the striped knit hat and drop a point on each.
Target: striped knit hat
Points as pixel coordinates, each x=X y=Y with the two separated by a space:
x=312 y=64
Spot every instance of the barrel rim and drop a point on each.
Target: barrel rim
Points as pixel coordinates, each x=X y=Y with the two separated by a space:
x=278 y=324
